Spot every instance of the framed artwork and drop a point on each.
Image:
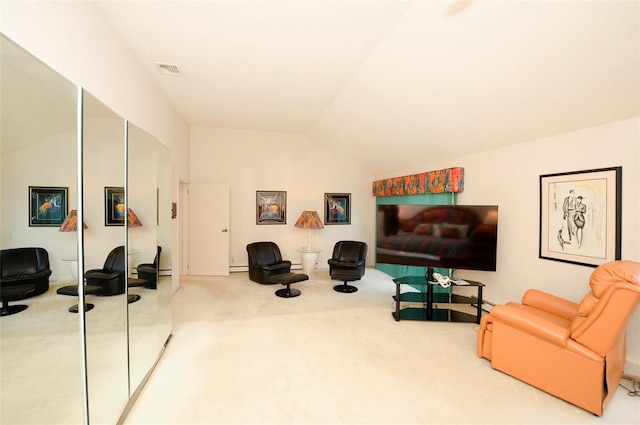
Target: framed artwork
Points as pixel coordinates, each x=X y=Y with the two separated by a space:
x=114 y=211
x=337 y=208
x=47 y=206
x=271 y=207
x=580 y=216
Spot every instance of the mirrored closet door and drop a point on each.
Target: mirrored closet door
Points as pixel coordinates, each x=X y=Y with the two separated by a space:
x=41 y=379
x=69 y=359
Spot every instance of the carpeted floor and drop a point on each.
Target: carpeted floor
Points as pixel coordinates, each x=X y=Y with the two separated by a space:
x=241 y=355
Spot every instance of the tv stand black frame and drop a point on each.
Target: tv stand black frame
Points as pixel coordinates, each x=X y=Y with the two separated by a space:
x=429 y=299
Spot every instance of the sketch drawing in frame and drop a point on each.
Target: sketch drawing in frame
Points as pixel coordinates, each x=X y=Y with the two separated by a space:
x=580 y=216
x=47 y=206
x=271 y=207
x=337 y=208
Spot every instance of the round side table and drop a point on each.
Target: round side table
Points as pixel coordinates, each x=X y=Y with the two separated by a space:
x=309 y=256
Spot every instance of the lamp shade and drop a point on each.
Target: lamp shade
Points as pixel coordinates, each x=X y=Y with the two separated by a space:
x=132 y=219
x=309 y=220
x=70 y=222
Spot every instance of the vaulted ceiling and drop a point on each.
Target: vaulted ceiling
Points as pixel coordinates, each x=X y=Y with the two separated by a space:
x=392 y=84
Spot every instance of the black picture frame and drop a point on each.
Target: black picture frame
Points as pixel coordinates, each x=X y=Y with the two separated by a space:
x=271 y=207
x=337 y=208
x=114 y=211
x=580 y=216
x=48 y=206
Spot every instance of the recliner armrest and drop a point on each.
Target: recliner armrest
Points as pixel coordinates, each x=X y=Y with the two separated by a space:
x=550 y=303
x=271 y=267
x=17 y=280
x=530 y=323
x=346 y=264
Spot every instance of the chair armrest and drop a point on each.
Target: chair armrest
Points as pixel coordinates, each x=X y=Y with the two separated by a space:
x=550 y=303
x=531 y=324
x=17 y=280
x=345 y=264
x=272 y=267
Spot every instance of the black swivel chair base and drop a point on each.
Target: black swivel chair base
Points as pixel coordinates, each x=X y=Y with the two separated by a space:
x=344 y=288
x=287 y=279
x=74 y=308
x=288 y=292
x=8 y=310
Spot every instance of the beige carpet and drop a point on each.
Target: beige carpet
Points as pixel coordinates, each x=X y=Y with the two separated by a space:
x=241 y=355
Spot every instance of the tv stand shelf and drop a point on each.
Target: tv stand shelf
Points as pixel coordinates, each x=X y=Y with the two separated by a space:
x=447 y=307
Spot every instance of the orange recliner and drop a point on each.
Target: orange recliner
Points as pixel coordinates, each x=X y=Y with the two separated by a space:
x=573 y=351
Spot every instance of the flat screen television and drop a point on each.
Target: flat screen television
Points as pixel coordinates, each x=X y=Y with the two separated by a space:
x=445 y=236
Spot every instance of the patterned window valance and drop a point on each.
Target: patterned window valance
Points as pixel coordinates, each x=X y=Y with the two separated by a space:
x=439 y=181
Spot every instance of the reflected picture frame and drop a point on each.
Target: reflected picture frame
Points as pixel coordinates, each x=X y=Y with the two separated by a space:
x=337 y=208
x=580 y=216
x=114 y=206
x=48 y=206
x=271 y=207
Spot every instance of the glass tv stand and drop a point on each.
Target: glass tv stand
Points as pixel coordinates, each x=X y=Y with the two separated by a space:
x=432 y=306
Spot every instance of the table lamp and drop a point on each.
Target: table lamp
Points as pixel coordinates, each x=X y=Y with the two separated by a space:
x=70 y=222
x=309 y=220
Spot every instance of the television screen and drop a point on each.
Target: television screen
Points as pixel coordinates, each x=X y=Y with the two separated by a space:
x=446 y=236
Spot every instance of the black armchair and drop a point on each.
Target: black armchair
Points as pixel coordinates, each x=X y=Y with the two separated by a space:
x=347 y=263
x=265 y=260
x=111 y=276
x=24 y=273
x=149 y=271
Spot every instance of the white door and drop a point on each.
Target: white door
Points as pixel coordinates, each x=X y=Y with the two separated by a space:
x=208 y=229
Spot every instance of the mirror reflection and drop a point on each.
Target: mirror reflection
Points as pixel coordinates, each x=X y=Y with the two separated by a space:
x=105 y=260
x=66 y=360
x=165 y=289
x=142 y=229
x=40 y=346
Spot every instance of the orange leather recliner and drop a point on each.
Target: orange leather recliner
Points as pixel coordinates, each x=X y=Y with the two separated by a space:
x=573 y=351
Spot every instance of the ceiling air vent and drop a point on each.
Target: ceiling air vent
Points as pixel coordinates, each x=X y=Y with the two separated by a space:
x=169 y=69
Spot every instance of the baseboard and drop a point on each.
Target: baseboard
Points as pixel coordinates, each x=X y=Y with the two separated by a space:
x=631 y=370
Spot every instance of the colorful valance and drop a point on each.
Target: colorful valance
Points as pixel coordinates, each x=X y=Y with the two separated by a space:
x=439 y=181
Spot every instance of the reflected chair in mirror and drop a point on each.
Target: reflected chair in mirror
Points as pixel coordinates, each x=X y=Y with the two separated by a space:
x=347 y=264
x=24 y=273
x=147 y=277
x=265 y=260
x=575 y=352
x=148 y=272
x=111 y=276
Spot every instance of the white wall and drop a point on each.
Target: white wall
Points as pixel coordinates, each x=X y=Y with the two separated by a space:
x=509 y=177
x=249 y=161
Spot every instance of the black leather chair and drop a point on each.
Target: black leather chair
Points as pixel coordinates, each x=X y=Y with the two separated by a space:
x=265 y=260
x=347 y=263
x=24 y=273
x=149 y=271
x=111 y=276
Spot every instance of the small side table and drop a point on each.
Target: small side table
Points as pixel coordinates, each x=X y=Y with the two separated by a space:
x=73 y=265
x=309 y=256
